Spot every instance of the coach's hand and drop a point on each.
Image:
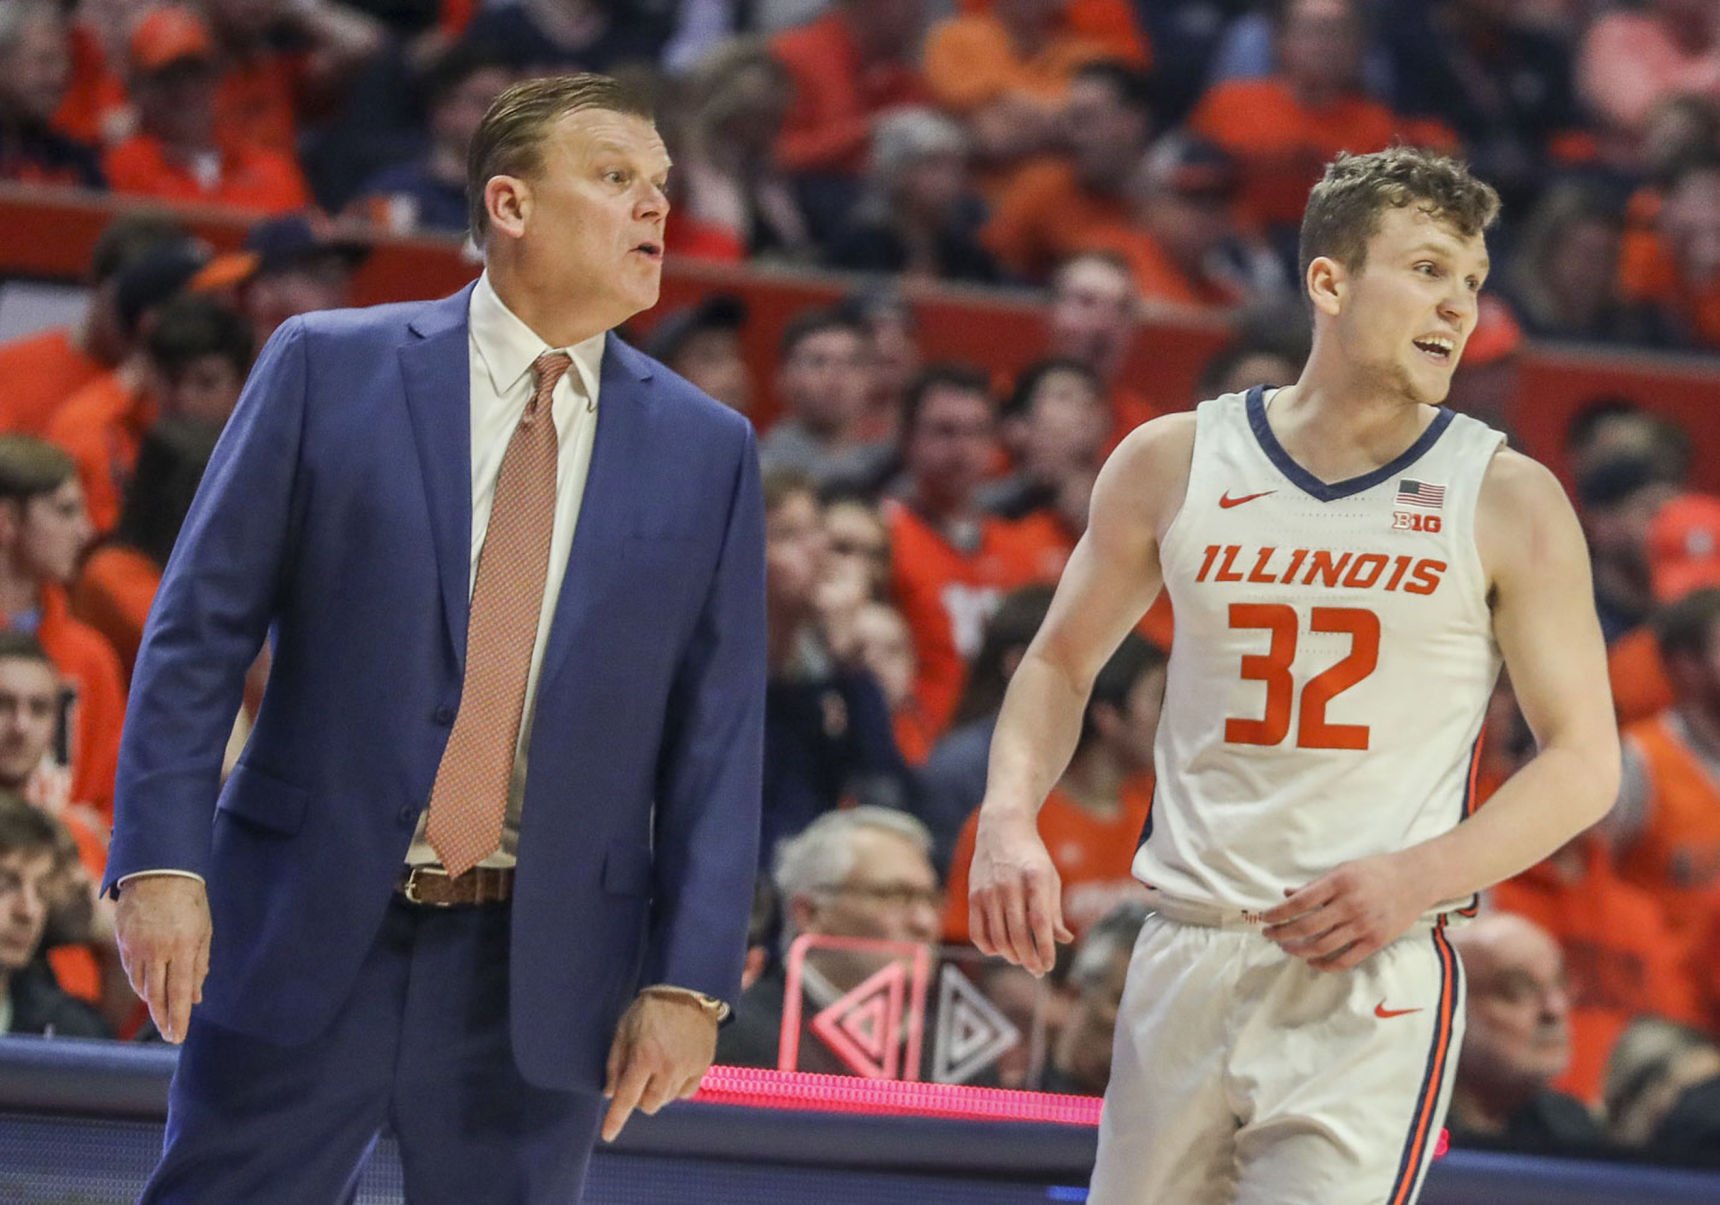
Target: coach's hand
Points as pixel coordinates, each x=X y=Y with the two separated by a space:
x=662 y=1049
x=1348 y=913
x=162 y=926
x=1015 y=895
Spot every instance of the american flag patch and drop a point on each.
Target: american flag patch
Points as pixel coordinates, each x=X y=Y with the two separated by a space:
x=1420 y=493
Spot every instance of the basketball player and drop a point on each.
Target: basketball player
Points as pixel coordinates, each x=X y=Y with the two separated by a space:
x=1347 y=562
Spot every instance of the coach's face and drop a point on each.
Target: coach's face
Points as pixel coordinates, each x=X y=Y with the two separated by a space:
x=591 y=220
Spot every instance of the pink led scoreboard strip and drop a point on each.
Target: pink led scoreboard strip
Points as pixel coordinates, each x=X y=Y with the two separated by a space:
x=764 y=1089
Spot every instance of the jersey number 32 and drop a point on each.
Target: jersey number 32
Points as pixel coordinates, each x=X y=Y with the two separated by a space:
x=1273 y=668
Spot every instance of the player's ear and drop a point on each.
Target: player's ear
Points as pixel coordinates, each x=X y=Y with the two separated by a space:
x=1326 y=282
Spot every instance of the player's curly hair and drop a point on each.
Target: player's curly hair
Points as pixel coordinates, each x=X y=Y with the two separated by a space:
x=1345 y=208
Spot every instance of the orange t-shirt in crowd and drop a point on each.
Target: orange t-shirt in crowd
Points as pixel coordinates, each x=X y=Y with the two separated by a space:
x=1283 y=146
x=248 y=177
x=1109 y=23
x=946 y=594
x=1648 y=275
x=1092 y=855
x=1159 y=279
x=1639 y=685
x=836 y=95
x=915 y=736
x=96 y=107
x=1676 y=856
x=113 y=595
x=91 y=669
x=971 y=61
x=102 y=426
x=1045 y=215
x=1621 y=959
x=40 y=372
x=258 y=99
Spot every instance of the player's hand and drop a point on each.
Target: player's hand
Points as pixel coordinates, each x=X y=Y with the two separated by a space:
x=1347 y=913
x=162 y=926
x=662 y=1049
x=1015 y=895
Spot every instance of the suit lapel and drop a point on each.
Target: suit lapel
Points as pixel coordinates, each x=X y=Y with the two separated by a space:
x=437 y=374
x=617 y=452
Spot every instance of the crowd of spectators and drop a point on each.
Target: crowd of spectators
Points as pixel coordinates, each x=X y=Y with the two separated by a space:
x=1115 y=155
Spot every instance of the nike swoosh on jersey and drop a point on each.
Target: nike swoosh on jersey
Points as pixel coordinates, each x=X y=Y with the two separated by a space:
x=1386 y=1014
x=1226 y=502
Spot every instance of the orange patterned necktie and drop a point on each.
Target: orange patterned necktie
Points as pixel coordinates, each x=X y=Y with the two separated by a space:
x=470 y=798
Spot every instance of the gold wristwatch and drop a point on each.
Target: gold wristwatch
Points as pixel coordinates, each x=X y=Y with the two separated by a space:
x=717 y=1010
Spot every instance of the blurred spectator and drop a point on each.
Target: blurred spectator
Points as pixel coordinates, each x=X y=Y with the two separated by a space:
x=918 y=218
x=1186 y=247
x=96 y=110
x=702 y=342
x=1562 y=280
x=858 y=542
x=1185 y=36
x=118 y=581
x=101 y=423
x=1249 y=49
x=821 y=383
x=42 y=371
x=1286 y=127
x=197 y=352
x=43 y=534
x=1617 y=500
x=1061 y=206
x=178 y=153
x=1480 y=68
x=1620 y=957
x=1655 y=1063
x=429 y=192
x=1517 y=1041
x=1005 y=72
x=1632 y=58
x=1682 y=554
x=283 y=63
x=1665 y=827
x=1672 y=273
x=1270 y=346
x=82 y=954
x=290 y=265
x=1092 y=318
x=886 y=649
x=1081 y=1057
x=1055 y=423
x=33 y=1001
x=1092 y=819
x=849 y=67
x=1614 y=426
x=951 y=562
x=858 y=873
x=35 y=69
x=893 y=352
x=732 y=201
x=1689 y=1133
x=552 y=37
x=952 y=782
x=828 y=737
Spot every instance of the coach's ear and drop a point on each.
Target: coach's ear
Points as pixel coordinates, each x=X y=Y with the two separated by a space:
x=1326 y=282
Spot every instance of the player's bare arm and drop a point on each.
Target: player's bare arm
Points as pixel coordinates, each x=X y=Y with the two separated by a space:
x=1544 y=620
x=1113 y=576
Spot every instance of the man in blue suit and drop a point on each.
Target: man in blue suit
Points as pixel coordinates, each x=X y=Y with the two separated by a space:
x=487 y=858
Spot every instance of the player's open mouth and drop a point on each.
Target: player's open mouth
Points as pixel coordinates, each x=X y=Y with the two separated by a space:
x=1438 y=348
x=651 y=251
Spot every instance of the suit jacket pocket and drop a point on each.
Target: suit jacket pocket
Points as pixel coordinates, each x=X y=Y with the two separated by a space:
x=627 y=869
x=264 y=800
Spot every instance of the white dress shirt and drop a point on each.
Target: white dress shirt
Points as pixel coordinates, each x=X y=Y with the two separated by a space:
x=503 y=349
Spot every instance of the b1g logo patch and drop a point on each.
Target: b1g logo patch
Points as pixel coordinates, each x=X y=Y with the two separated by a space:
x=1405 y=520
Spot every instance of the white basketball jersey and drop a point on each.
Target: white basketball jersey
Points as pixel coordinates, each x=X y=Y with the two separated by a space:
x=1333 y=659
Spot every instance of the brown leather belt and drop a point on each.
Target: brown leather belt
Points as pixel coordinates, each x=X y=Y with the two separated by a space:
x=430 y=886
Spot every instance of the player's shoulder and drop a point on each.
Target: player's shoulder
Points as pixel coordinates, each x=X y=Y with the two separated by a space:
x=1521 y=486
x=1159 y=441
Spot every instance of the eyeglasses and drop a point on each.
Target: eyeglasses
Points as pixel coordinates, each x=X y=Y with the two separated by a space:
x=898 y=895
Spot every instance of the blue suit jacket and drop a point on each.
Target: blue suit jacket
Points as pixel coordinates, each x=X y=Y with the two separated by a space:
x=336 y=514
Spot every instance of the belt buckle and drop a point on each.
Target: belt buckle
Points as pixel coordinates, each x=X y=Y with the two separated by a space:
x=409 y=890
